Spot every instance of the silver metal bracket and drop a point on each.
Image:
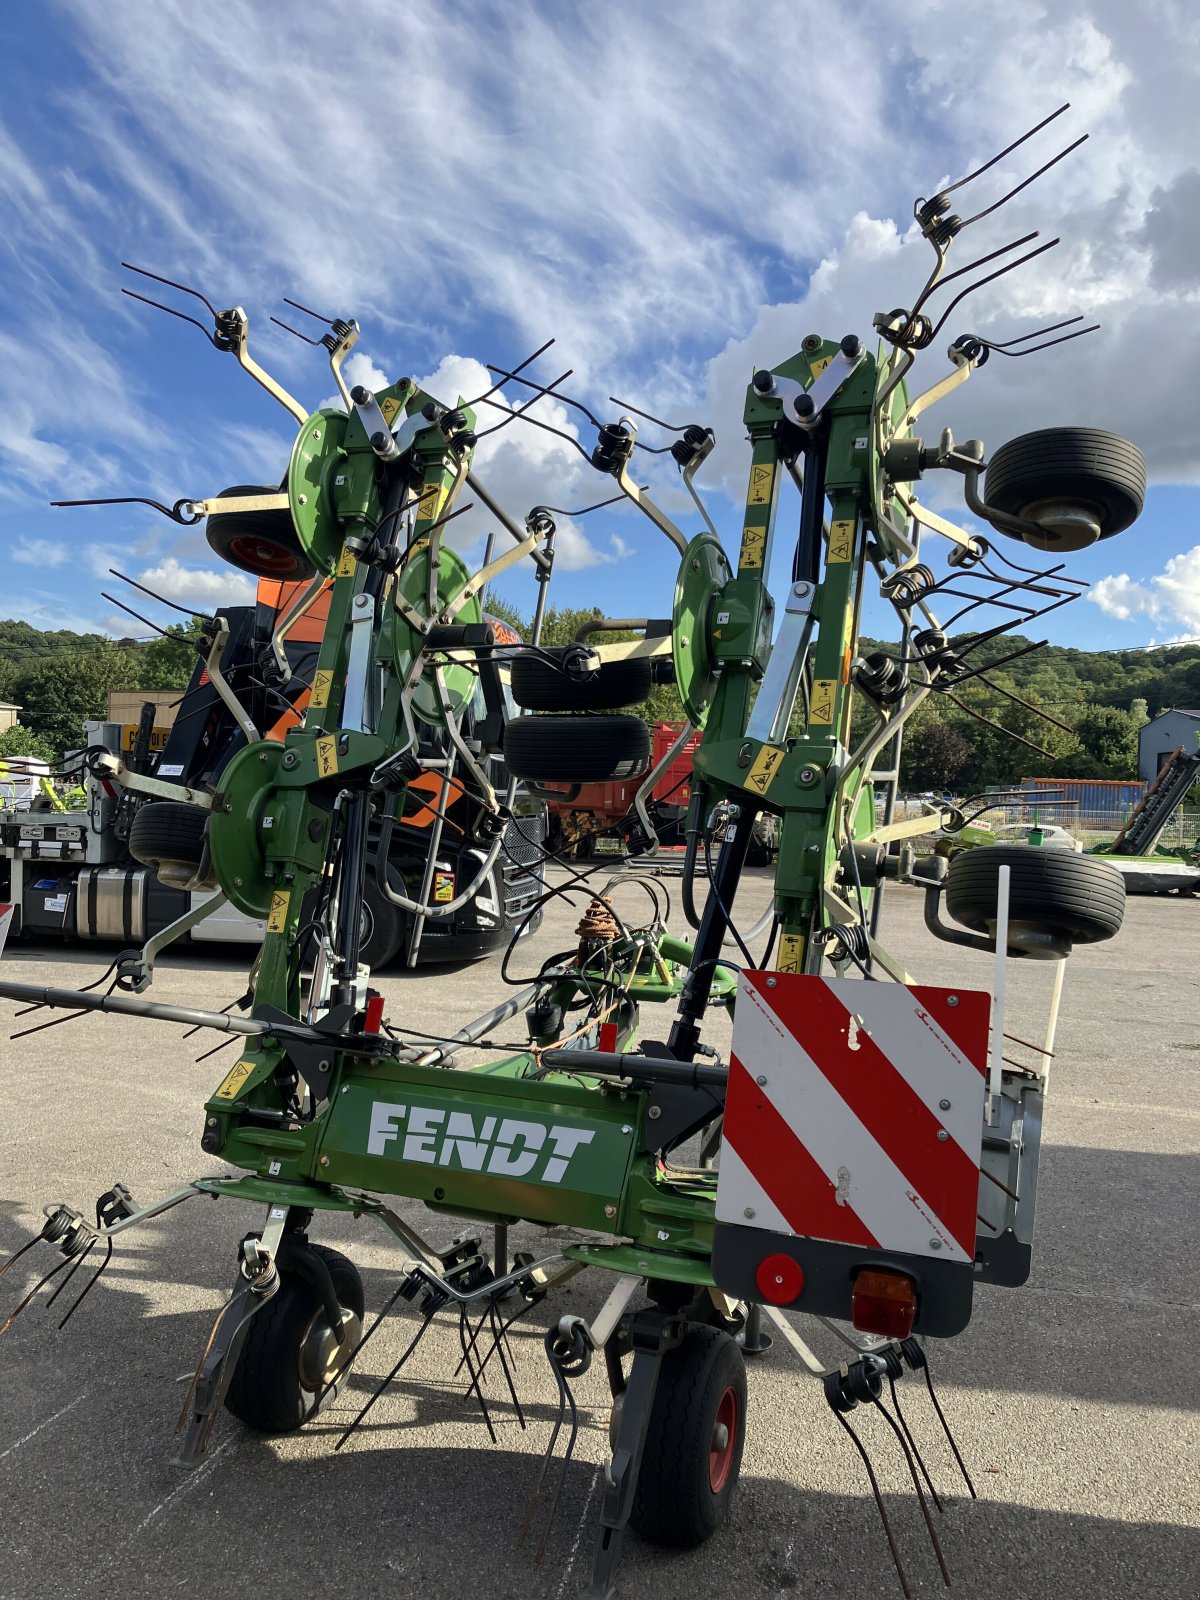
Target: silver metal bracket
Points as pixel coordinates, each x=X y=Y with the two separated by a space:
x=773 y=707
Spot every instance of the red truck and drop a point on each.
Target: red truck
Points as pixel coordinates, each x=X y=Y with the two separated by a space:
x=602 y=812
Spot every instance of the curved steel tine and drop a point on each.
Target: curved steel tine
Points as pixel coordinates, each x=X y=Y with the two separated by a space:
x=1008 y=150
x=171 y=312
x=1007 y=344
x=903 y=1443
x=536 y=422
x=982 y=261
x=171 y=284
x=563 y=511
x=1033 y=176
x=54 y=1271
x=541 y=388
x=295 y=332
x=316 y=315
x=17 y=1254
x=519 y=411
x=188 y=611
x=541 y=350
x=145 y=621
x=1047 y=343
x=76 y=1263
x=88 y=1286
x=1009 y=266
x=658 y=421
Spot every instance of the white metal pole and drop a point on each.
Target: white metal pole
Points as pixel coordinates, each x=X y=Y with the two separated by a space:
x=1060 y=969
x=995 y=1068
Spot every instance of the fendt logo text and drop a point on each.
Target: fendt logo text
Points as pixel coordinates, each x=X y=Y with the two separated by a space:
x=511 y=1147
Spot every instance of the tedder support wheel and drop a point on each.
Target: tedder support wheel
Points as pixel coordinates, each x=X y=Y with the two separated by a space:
x=1039 y=474
x=262 y=542
x=290 y=1352
x=694 y=1441
x=1051 y=890
x=168 y=835
x=542 y=685
x=576 y=749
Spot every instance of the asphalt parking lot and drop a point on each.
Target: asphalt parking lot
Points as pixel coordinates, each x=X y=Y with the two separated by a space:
x=1073 y=1399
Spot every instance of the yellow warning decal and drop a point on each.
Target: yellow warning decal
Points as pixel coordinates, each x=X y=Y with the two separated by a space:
x=347 y=565
x=322 y=683
x=824 y=695
x=841 y=540
x=791 y=953
x=762 y=476
x=277 y=916
x=234 y=1081
x=389 y=405
x=818 y=364
x=753 y=543
x=430 y=500
x=765 y=767
x=327 y=760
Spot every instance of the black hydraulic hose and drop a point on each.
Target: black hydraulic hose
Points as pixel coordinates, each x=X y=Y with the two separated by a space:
x=706 y=952
x=697 y=811
x=806 y=563
x=357 y=816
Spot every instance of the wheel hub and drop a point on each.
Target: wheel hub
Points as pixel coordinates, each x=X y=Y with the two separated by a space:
x=723 y=1442
x=322 y=1356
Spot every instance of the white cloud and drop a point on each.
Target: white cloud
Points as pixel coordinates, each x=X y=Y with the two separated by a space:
x=39 y=553
x=205 y=586
x=1171 y=596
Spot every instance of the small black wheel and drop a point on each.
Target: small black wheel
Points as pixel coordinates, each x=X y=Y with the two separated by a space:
x=168 y=835
x=290 y=1352
x=383 y=925
x=590 y=749
x=1051 y=890
x=264 y=543
x=542 y=685
x=1099 y=472
x=694 y=1442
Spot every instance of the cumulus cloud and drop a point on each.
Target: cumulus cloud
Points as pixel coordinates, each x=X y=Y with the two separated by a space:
x=204 y=586
x=1171 y=596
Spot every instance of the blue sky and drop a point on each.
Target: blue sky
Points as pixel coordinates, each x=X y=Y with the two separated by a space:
x=676 y=194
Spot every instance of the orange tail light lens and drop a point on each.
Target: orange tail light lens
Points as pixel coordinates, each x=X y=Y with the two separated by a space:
x=884 y=1302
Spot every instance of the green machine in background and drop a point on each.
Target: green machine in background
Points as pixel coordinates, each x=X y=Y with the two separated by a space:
x=331 y=1106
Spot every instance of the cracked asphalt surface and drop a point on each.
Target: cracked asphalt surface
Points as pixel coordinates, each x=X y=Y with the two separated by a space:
x=1073 y=1399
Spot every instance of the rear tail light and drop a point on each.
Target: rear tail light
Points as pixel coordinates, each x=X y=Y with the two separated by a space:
x=884 y=1302
x=779 y=1279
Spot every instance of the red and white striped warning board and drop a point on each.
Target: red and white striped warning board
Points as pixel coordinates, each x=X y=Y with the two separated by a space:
x=855 y=1113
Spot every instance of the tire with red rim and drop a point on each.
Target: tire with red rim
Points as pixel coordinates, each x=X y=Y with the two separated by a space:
x=264 y=543
x=694 y=1443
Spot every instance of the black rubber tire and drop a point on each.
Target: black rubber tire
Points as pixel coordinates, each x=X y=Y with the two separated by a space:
x=1050 y=888
x=264 y=543
x=266 y=1392
x=1086 y=464
x=384 y=925
x=168 y=835
x=674 y=1502
x=590 y=749
x=539 y=686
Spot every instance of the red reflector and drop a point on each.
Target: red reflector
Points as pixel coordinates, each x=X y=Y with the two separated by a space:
x=884 y=1302
x=608 y=1036
x=374 y=1012
x=779 y=1279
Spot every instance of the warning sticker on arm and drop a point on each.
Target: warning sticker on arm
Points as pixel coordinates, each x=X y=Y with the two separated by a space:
x=841 y=540
x=824 y=696
x=766 y=765
x=277 y=916
x=322 y=683
x=234 y=1081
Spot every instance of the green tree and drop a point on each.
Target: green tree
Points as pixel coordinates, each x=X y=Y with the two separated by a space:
x=58 y=697
x=22 y=741
x=1109 y=735
x=168 y=662
x=936 y=756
